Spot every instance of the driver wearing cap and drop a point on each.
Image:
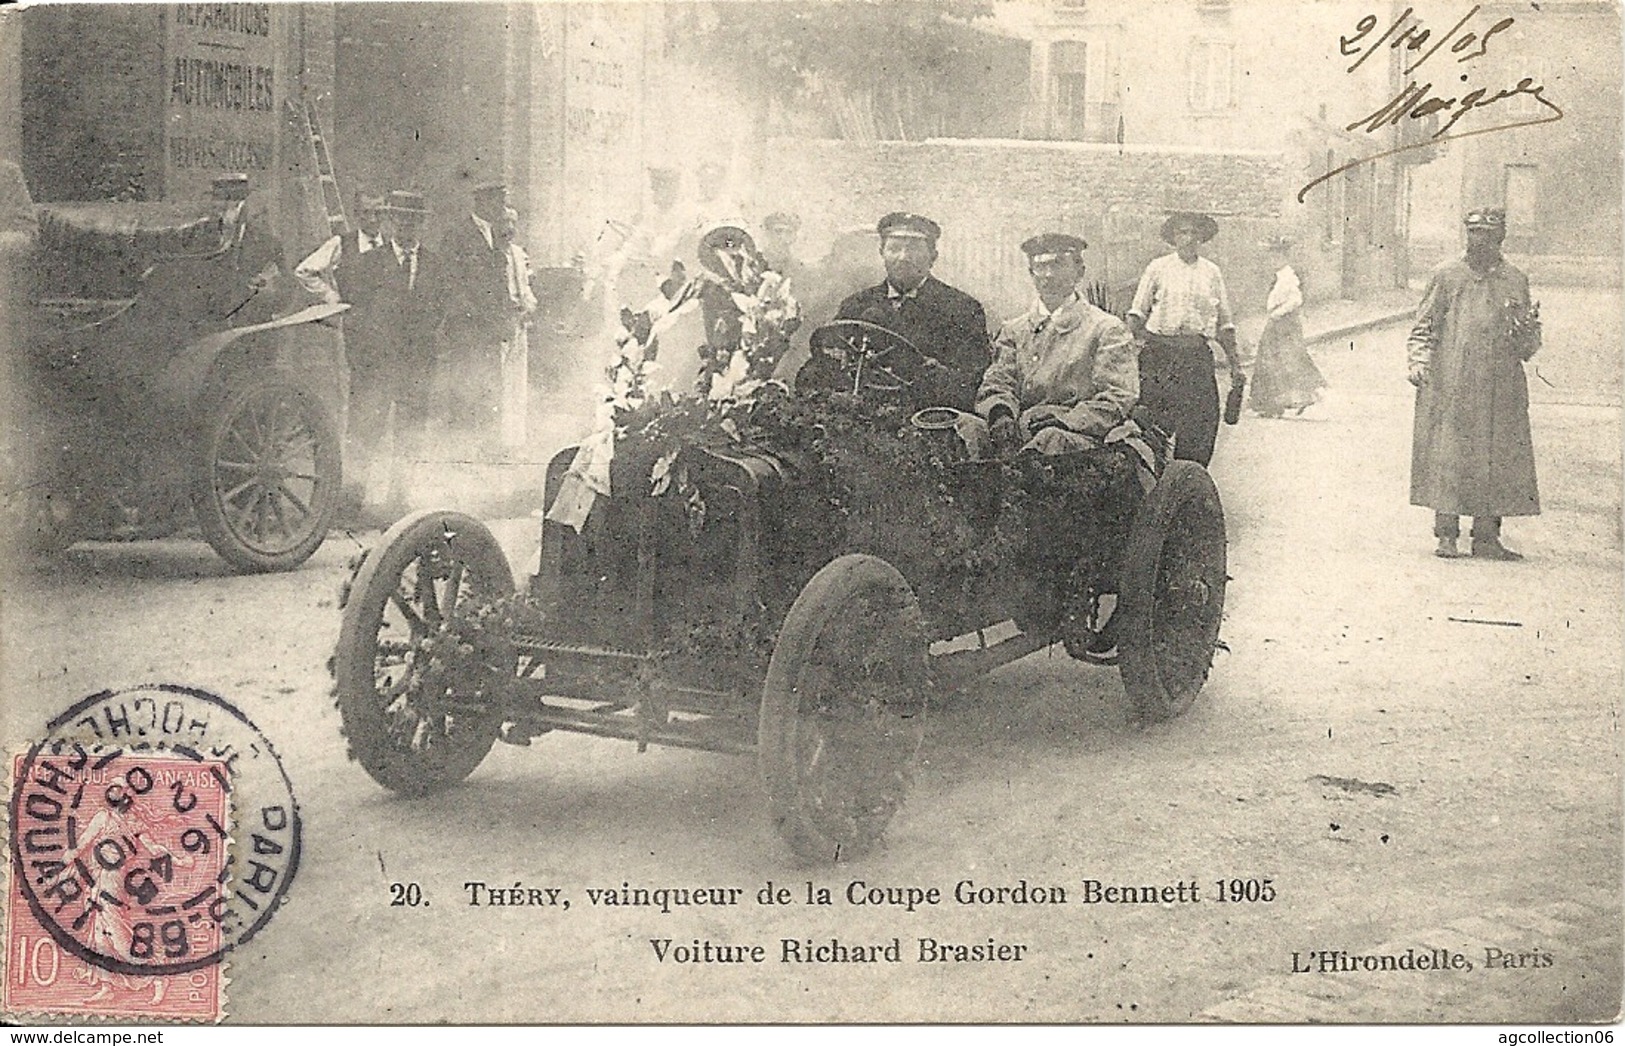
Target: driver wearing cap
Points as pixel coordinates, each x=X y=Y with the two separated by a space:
x=947 y=325
x=1064 y=373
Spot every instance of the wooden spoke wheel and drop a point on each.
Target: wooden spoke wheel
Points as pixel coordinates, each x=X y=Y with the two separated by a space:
x=414 y=724
x=1171 y=593
x=268 y=478
x=843 y=709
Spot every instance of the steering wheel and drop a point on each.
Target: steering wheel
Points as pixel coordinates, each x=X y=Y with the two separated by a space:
x=873 y=358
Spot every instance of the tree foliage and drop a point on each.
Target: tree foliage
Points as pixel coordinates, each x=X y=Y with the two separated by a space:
x=893 y=65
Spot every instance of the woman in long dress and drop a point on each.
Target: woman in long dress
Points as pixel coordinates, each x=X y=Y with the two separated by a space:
x=1284 y=378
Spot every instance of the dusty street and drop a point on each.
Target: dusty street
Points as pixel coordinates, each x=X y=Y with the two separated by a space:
x=1413 y=753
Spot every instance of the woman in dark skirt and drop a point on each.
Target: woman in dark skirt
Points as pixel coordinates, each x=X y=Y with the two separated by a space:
x=1284 y=378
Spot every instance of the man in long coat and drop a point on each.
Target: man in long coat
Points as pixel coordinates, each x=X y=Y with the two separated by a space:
x=478 y=302
x=946 y=324
x=1471 y=453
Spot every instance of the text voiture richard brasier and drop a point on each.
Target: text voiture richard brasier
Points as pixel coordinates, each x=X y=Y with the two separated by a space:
x=834 y=950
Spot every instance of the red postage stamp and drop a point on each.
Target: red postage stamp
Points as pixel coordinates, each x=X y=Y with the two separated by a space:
x=119 y=881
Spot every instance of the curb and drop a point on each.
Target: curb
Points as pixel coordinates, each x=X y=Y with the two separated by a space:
x=1361 y=325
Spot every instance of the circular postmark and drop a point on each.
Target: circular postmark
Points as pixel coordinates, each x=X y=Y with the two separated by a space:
x=152 y=829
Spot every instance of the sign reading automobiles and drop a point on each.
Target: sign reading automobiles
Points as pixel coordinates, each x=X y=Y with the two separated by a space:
x=220 y=109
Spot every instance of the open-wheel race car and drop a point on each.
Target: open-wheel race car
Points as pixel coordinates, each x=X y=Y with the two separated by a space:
x=150 y=384
x=798 y=582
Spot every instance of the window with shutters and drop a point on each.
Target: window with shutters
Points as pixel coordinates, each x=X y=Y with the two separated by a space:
x=1212 y=76
x=1069 y=79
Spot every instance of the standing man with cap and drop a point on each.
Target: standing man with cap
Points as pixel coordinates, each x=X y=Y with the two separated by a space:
x=1181 y=305
x=1064 y=373
x=947 y=325
x=476 y=307
x=1471 y=452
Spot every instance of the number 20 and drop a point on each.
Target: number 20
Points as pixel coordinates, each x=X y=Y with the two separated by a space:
x=405 y=895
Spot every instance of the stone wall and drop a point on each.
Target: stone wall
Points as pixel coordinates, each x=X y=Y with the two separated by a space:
x=990 y=195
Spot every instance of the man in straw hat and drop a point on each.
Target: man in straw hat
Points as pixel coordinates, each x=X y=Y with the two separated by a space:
x=1471 y=453
x=1181 y=307
x=1064 y=373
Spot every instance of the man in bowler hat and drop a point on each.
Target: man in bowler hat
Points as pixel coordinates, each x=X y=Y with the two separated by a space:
x=1180 y=307
x=947 y=325
x=478 y=307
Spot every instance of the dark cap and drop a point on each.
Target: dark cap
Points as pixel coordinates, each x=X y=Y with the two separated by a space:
x=1486 y=218
x=725 y=237
x=231 y=186
x=1205 y=227
x=1050 y=245
x=903 y=223
x=403 y=202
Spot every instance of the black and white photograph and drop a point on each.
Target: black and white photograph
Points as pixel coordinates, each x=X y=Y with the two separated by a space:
x=720 y=512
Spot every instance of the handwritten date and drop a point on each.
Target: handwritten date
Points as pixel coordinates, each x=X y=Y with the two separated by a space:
x=1403 y=32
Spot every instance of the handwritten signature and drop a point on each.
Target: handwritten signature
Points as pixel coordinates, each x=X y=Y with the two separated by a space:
x=1419 y=102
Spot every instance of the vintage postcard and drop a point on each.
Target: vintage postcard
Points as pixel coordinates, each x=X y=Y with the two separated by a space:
x=997 y=511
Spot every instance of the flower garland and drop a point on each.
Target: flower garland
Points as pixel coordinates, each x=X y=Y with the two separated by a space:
x=750 y=315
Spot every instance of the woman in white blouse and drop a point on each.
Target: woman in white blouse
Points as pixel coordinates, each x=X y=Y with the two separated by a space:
x=1284 y=378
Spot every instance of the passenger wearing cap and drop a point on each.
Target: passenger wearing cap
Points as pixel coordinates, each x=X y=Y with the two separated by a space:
x=947 y=325
x=318 y=272
x=1471 y=452
x=1064 y=373
x=1180 y=308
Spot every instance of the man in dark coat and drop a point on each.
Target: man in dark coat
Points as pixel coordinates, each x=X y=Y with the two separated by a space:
x=1471 y=453
x=947 y=325
x=386 y=341
x=476 y=310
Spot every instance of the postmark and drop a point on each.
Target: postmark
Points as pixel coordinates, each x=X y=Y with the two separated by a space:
x=169 y=770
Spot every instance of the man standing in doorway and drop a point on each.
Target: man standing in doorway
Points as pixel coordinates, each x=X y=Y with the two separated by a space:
x=1182 y=306
x=1471 y=453
x=474 y=289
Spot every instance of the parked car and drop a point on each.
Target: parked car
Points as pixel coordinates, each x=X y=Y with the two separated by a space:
x=153 y=383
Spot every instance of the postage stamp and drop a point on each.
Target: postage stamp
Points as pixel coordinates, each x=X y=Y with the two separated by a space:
x=120 y=876
x=151 y=832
